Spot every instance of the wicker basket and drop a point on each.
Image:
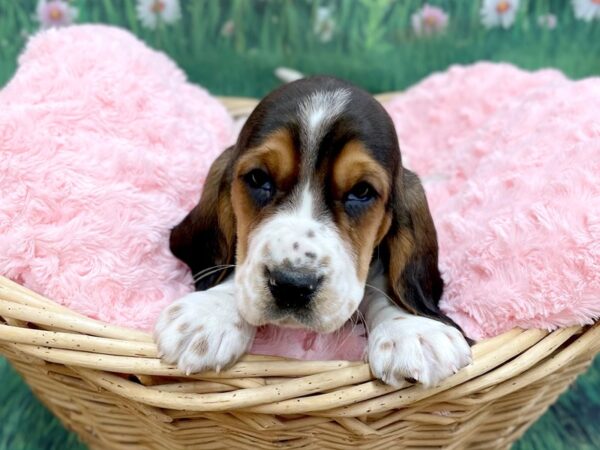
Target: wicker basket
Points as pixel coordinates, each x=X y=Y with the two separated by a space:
x=105 y=383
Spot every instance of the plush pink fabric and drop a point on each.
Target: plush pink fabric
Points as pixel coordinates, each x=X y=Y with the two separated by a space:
x=104 y=146
x=511 y=164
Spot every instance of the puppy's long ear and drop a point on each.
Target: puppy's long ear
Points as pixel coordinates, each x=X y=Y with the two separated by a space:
x=411 y=250
x=206 y=237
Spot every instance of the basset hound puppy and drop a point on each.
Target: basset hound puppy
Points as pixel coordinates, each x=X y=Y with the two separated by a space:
x=308 y=218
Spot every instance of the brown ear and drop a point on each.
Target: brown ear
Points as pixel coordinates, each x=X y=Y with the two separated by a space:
x=411 y=250
x=206 y=237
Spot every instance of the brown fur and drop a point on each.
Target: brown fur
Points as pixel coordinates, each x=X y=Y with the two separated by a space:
x=412 y=251
x=276 y=155
x=206 y=237
x=201 y=346
x=353 y=165
x=174 y=312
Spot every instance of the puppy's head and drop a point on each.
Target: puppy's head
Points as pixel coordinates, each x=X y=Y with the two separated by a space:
x=312 y=191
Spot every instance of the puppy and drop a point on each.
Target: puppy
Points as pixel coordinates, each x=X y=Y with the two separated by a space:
x=308 y=218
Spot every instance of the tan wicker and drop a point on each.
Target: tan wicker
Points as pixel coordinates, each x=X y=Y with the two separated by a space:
x=106 y=383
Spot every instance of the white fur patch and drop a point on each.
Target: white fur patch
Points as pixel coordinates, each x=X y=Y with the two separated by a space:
x=318 y=111
x=305 y=206
x=402 y=345
x=408 y=346
x=203 y=330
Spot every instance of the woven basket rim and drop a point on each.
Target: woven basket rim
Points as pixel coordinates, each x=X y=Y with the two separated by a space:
x=101 y=353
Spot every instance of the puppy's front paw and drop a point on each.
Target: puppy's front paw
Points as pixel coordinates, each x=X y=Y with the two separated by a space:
x=416 y=347
x=202 y=331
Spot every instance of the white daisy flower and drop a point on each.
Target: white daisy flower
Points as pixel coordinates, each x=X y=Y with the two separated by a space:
x=324 y=25
x=153 y=12
x=429 y=20
x=55 y=13
x=228 y=28
x=548 y=21
x=499 y=13
x=587 y=10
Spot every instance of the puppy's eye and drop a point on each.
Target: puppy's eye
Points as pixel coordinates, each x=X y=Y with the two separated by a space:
x=359 y=197
x=259 y=179
x=362 y=192
x=261 y=185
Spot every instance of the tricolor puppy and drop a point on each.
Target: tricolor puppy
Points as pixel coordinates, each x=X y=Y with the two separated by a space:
x=317 y=218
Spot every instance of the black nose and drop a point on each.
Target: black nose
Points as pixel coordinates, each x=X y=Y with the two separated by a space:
x=292 y=289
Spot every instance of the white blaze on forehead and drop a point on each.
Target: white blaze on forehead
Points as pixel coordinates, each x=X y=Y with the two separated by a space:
x=317 y=111
x=304 y=207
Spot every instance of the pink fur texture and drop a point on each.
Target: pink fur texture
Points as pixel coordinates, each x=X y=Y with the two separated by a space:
x=511 y=165
x=104 y=146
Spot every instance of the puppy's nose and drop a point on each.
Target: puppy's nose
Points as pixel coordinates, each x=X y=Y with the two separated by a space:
x=292 y=289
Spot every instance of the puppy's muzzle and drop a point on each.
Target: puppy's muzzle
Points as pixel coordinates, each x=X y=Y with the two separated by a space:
x=292 y=289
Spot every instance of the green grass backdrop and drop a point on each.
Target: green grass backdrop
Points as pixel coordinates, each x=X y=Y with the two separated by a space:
x=372 y=42
x=232 y=47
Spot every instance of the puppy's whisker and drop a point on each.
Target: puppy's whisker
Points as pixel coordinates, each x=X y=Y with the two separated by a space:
x=361 y=316
x=381 y=292
x=211 y=271
x=215 y=267
x=205 y=274
x=201 y=272
x=354 y=322
x=333 y=343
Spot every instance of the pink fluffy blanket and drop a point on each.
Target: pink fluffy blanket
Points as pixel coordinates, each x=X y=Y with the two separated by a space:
x=104 y=147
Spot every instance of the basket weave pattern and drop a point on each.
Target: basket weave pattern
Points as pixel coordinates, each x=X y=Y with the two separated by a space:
x=107 y=384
